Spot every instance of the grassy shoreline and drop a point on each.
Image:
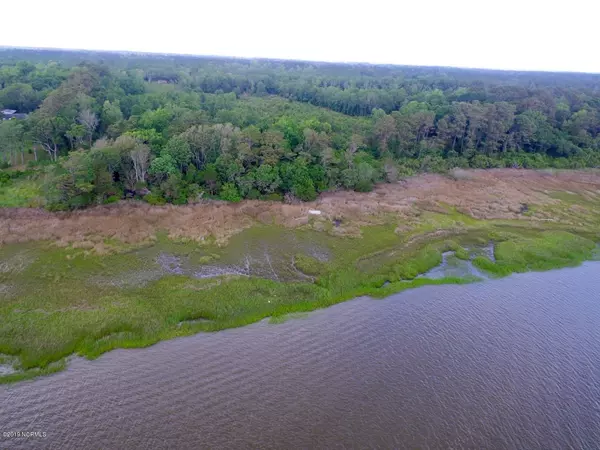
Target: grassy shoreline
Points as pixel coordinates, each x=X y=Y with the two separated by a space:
x=40 y=338
x=61 y=301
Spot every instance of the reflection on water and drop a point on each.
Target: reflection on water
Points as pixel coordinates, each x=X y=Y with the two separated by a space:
x=452 y=266
x=511 y=363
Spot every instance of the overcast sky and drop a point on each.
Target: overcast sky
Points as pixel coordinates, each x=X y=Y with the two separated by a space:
x=503 y=34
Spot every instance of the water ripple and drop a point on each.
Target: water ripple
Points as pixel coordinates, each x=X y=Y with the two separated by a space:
x=505 y=364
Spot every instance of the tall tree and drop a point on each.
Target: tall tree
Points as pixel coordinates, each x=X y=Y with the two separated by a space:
x=140 y=157
x=48 y=132
x=89 y=120
x=12 y=141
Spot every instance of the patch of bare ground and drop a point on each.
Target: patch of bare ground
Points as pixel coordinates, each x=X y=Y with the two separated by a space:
x=5 y=290
x=15 y=264
x=483 y=194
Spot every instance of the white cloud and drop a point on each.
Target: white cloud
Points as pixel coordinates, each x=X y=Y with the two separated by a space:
x=510 y=34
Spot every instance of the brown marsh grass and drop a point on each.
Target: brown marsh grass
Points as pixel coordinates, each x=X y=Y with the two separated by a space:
x=483 y=194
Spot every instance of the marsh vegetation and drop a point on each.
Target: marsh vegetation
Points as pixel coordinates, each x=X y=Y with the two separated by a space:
x=89 y=294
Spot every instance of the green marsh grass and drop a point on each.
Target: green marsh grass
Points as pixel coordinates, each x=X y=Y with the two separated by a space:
x=549 y=250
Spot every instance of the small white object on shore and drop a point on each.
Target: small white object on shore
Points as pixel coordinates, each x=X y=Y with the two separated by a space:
x=314 y=212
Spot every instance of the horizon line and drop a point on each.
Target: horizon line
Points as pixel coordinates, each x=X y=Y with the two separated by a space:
x=266 y=58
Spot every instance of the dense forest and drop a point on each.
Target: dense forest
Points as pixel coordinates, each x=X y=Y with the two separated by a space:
x=170 y=128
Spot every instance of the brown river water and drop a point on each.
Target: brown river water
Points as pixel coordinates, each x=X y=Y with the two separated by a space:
x=501 y=364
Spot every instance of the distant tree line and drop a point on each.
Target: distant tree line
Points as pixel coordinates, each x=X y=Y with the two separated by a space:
x=166 y=128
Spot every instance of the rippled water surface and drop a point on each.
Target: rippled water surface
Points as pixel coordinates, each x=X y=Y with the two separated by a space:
x=511 y=363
